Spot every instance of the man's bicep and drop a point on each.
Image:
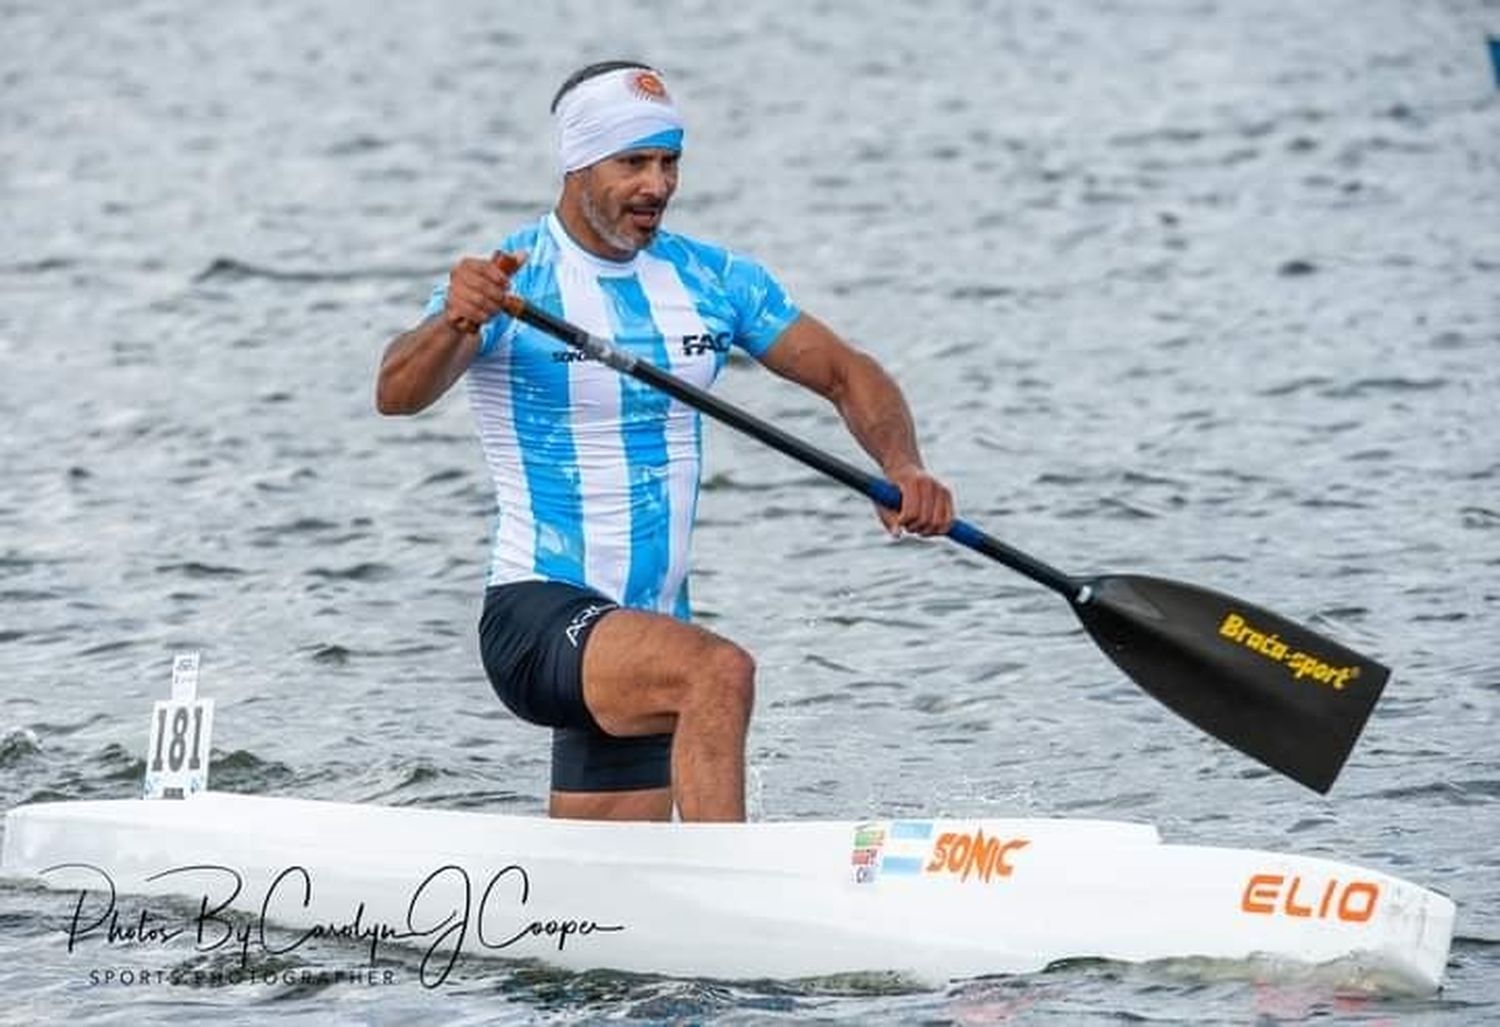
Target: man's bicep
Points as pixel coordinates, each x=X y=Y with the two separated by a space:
x=809 y=353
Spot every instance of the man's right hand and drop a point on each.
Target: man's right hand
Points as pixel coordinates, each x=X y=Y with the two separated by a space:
x=476 y=288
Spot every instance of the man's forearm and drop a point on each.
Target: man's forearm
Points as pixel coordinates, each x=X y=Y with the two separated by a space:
x=421 y=364
x=875 y=411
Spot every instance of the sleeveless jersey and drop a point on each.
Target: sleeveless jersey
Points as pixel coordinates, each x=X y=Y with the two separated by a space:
x=596 y=475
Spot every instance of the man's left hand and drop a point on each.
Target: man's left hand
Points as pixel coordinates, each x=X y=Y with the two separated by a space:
x=926 y=504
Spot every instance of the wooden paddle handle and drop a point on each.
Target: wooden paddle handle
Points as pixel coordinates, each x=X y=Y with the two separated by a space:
x=511 y=304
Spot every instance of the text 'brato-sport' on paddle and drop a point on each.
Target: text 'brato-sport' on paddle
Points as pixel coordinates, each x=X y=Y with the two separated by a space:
x=1279 y=692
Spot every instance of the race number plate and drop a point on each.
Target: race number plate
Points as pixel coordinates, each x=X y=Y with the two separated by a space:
x=181 y=727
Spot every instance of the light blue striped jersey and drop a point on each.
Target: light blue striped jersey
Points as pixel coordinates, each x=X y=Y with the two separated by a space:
x=596 y=474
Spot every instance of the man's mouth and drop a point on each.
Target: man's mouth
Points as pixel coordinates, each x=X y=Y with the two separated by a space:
x=644 y=218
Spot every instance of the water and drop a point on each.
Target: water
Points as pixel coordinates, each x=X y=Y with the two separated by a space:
x=1187 y=287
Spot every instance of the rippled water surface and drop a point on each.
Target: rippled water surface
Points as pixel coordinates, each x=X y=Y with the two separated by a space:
x=1199 y=288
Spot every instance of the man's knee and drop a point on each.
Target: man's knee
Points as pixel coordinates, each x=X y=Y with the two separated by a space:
x=727 y=678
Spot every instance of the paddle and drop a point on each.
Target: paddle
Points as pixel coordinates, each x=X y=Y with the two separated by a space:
x=1277 y=691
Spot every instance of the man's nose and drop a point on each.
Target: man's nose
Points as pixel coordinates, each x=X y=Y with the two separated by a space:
x=656 y=181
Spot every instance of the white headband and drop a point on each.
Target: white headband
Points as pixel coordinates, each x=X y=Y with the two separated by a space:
x=627 y=109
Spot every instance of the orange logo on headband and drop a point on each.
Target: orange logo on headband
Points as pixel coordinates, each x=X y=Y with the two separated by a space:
x=647 y=86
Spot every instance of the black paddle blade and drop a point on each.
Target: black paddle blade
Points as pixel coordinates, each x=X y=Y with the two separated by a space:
x=1275 y=690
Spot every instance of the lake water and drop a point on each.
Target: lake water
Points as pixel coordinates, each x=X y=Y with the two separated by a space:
x=1196 y=288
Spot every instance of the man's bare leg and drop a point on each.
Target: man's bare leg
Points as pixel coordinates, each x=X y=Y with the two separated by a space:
x=645 y=673
x=641 y=804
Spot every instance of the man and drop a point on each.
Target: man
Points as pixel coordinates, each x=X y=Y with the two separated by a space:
x=586 y=621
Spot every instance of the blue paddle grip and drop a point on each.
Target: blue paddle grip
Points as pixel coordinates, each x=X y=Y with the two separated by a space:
x=965 y=534
x=886 y=494
x=962 y=532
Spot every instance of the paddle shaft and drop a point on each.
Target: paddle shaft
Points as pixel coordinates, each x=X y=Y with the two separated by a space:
x=874 y=488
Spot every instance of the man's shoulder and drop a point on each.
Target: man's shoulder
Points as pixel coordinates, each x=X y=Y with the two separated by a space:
x=525 y=237
x=719 y=261
x=675 y=247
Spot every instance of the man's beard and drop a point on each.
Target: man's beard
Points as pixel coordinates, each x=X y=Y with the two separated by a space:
x=601 y=226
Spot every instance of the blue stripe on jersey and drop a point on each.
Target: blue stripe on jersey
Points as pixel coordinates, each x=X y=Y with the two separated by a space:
x=682 y=607
x=695 y=267
x=643 y=413
x=548 y=454
x=757 y=305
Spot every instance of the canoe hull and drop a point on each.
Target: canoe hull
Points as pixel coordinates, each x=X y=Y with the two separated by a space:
x=935 y=900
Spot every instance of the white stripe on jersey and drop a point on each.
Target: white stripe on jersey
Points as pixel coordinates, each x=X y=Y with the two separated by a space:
x=514 y=554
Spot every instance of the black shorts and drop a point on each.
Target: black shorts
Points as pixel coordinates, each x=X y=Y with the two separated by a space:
x=531 y=637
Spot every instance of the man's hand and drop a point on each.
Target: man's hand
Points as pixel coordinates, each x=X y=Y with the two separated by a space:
x=926 y=504
x=476 y=288
x=420 y=365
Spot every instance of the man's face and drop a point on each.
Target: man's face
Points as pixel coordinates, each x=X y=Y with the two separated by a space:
x=624 y=197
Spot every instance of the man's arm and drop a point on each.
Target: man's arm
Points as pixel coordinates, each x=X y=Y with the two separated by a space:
x=871 y=404
x=421 y=364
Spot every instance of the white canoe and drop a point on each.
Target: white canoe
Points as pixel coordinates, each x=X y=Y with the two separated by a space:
x=935 y=899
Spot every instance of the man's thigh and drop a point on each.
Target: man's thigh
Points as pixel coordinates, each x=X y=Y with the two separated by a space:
x=639 y=667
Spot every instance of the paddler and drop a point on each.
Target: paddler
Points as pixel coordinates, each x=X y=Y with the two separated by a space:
x=586 y=626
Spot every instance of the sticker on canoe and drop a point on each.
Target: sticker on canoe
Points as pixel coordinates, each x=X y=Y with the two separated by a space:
x=896 y=847
x=974 y=855
x=1278 y=895
x=907 y=848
